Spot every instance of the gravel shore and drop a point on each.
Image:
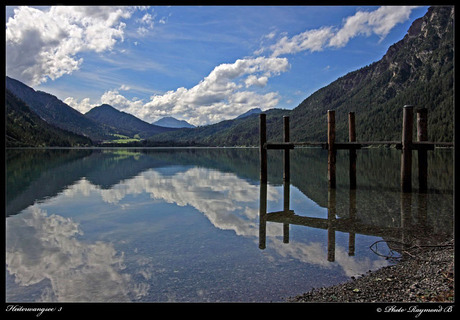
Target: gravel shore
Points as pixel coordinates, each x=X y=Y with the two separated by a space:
x=424 y=274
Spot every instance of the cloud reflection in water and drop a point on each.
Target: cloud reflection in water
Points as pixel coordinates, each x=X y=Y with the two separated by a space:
x=46 y=247
x=49 y=247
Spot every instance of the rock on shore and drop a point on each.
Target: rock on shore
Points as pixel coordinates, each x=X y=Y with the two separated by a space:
x=424 y=274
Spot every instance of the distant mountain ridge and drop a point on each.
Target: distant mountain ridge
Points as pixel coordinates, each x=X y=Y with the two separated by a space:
x=24 y=128
x=171 y=122
x=250 y=113
x=100 y=124
x=56 y=112
x=123 y=122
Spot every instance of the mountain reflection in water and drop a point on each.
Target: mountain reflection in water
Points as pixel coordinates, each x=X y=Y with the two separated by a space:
x=186 y=224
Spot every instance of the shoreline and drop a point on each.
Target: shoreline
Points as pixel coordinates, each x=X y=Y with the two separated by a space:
x=424 y=274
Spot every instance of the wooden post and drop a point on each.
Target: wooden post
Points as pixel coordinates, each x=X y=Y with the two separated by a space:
x=352 y=138
x=406 y=156
x=287 y=161
x=262 y=149
x=331 y=148
x=422 y=135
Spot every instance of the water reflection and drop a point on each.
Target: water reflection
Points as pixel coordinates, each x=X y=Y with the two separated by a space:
x=45 y=248
x=183 y=225
x=413 y=227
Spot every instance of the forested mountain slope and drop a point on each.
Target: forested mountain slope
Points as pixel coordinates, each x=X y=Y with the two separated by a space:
x=417 y=70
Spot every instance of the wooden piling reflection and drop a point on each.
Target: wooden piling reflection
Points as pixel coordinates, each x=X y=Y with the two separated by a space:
x=352 y=215
x=422 y=135
x=263 y=216
x=408 y=229
x=286 y=201
x=406 y=155
x=331 y=213
x=406 y=216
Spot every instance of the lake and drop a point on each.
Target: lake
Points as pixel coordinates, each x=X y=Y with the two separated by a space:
x=196 y=225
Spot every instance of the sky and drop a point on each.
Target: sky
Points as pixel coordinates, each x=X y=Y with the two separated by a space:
x=202 y=64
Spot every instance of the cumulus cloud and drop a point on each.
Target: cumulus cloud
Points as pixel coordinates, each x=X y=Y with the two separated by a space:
x=221 y=95
x=83 y=106
x=312 y=40
x=252 y=80
x=43 y=44
x=379 y=22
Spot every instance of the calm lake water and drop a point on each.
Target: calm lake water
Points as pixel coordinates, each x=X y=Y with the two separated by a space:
x=189 y=225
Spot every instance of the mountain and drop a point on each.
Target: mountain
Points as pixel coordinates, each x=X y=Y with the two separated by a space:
x=417 y=70
x=56 y=112
x=170 y=122
x=236 y=132
x=250 y=113
x=24 y=128
x=123 y=122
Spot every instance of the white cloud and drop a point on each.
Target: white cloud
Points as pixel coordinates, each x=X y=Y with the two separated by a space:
x=271 y=35
x=114 y=98
x=146 y=24
x=379 y=22
x=83 y=106
x=312 y=40
x=219 y=96
x=43 y=44
x=147 y=19
x=252 y=80
x=125 y=87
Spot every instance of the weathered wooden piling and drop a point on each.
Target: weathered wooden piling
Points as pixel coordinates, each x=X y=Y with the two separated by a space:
x=262 y=148
x=422 y=135
x=406 y=155
x=286 y=176
x=407 y=145
x=331 y=157
x=287 y=161
x=352 y=138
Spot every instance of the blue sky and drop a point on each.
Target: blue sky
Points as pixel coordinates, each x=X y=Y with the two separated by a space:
x=200 y=64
